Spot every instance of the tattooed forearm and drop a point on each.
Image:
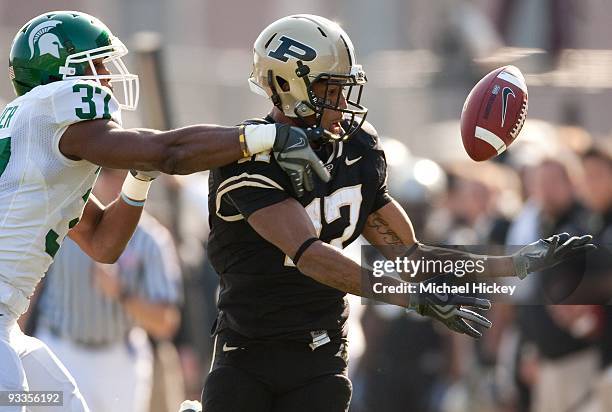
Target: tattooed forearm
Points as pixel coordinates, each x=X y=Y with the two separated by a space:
x=381 y=226
x=381 y=234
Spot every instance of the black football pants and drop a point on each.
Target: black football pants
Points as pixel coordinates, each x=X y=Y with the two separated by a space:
x=276 y=377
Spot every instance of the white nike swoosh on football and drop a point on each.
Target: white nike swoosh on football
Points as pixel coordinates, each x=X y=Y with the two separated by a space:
x=353 y=161
x=229 y=348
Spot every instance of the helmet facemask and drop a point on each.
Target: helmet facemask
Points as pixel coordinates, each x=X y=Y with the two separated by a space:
x=111 y=56
x=351 y=88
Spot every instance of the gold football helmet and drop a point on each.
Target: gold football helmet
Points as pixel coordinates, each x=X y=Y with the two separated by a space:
x=293 y=53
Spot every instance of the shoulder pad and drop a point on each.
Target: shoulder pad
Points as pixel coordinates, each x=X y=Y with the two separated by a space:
x=367 y=137
x=59 y=86
x=77 y=100
x=369 y=129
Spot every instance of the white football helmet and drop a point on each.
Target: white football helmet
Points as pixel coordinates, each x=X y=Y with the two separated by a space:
x=296 y=51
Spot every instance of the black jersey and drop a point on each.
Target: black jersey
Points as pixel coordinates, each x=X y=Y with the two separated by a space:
x=263 y=295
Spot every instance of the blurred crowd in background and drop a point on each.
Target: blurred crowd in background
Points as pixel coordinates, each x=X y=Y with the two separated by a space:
x=422 y=58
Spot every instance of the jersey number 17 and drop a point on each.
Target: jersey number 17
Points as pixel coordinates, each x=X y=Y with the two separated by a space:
x=326 y=210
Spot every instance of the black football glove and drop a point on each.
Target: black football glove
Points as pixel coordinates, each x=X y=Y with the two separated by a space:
x=549 y=252
x=295 y=156
x=450 y=309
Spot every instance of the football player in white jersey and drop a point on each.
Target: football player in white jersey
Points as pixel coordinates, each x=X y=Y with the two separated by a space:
x=64 y=125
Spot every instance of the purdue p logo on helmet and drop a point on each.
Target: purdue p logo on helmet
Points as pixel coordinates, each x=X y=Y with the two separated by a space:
x=296 y=51
x=289 y=47
x=63 y=45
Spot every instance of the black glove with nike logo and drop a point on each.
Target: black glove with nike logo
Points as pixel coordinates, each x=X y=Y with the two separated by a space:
x=546 y=253
x=450 y=309
x=295 y=156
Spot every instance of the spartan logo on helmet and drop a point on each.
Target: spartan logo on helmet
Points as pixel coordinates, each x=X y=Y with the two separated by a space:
x=292 y=48
x=43 y=37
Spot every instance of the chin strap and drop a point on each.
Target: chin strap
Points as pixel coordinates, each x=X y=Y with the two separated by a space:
x=302 y=72
x=275 y=97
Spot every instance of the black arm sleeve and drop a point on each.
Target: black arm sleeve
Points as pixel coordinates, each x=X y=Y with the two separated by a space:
x=382 y=194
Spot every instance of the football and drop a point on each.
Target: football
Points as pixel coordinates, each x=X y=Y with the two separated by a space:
x=494 y=113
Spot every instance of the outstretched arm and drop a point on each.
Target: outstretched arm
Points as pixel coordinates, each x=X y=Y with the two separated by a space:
x=390 y=229
x=287 y=226
x=192 y=149
x=178 y=151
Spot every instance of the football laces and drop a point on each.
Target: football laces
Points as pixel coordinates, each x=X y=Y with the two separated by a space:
x=521 y=120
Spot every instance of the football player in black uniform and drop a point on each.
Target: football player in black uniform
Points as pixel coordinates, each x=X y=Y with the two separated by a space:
x=280 y=333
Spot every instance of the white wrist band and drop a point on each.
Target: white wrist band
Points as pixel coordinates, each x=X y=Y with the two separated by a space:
x=259 y=137
x=135 y=189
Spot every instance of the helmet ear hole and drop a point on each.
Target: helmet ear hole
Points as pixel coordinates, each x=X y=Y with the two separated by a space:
x=283 y=84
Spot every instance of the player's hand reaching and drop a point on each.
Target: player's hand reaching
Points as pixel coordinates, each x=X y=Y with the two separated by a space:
x=549 y=252
x=295 y=156
x=451 y=310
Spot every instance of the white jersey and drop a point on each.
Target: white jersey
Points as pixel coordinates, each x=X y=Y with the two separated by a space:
x=43 y=193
